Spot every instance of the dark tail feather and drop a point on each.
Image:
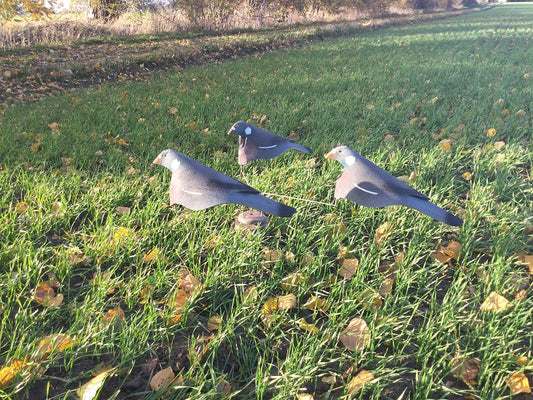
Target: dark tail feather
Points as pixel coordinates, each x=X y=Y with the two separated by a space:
x=299 y=147
x=265 y=204
x=433 y=211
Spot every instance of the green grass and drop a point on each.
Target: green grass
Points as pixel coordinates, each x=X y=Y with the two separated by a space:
x=452 y=79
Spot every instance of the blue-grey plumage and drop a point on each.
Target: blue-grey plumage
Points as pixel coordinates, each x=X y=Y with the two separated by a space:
x=364 y=183
x=256 y=143
x=196 y=186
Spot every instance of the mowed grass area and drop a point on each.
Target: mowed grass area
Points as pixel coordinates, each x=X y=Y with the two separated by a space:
x=439 y=99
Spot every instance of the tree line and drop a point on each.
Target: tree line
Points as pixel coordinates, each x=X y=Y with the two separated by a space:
x=217 y=11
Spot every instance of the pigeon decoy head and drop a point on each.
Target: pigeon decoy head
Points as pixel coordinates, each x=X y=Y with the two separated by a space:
x=241 y=128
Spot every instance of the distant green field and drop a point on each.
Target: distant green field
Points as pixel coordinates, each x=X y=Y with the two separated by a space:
x=82 y=210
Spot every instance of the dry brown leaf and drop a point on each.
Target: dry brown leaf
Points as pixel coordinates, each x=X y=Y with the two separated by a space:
x=187 y=281
x=498 y=146
x=317 y=303
x=214 y=323
x=348 y=267
x=370 y=299
x=304 y=396
x=251 y=294
x=212 y=242
x=202 y=346
x=162 y=379
x=527 y=260
x=339 y=225
x=120 y=211
x=491 y=132
x=21 y=207
x=356 y=335
x=114 y=317
x=45 y=295
x=270 y=256
x=293 y=281
x=383 y=232
x=386 y=286
x=303 y=324
x=495 y=303
x=359 y=380
x=8 y=373
x=287 y=302
x=51 y=343
x=518 y=383
x=466 y=369
x=145 y=293
x=58 y=209
x=446 y=253
x=90 y=390
x=53 y=126
x=223 y=386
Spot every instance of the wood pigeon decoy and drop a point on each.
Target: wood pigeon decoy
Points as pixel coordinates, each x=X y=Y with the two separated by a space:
x=364 y=183
x=256 y=143
x=197 y=187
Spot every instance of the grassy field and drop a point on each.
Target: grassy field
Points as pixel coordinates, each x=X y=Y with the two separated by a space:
x=90 y=250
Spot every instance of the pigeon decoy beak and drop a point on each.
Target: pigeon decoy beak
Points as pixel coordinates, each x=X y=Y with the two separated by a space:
x=157 y=161
x=330 y=155
x=231 y=131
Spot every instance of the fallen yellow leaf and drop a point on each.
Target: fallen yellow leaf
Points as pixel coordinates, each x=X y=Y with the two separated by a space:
x=115 y=316
x=467 y=176
x=359 y=380
x=177 y=305
x=303 y=324
x=446 y=145
x=317 y=303
x=491 y=132
x=8 y=373
x=383 y=232
x=90 y=390
x=151 y=256
x=56 y=342
x=495 y=303
x=518 y=383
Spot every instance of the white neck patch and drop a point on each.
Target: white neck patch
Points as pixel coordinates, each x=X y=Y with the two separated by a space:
x=174 y=165
x=248 y=131
x=349 y=160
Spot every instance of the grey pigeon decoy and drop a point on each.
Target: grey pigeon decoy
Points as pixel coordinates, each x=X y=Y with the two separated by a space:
x=364 y=183
x=256 y=143
x=197 y=187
